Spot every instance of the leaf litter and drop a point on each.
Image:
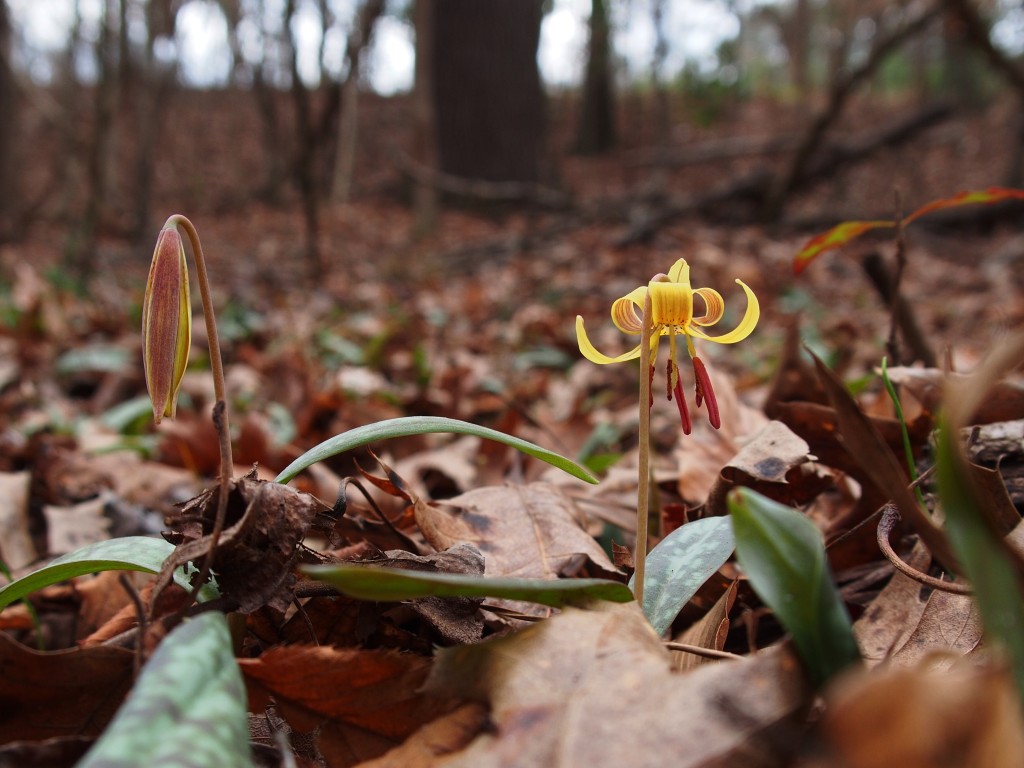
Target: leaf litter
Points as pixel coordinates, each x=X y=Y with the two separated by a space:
x=430 y=681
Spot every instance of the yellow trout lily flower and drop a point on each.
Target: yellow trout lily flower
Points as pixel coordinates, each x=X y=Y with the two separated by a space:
x=166 y=322
x=672 y=315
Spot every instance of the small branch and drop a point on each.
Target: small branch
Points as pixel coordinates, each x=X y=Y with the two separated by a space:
x=891 y=516
x=708 y=653
x=878 y=274
x=787 y=181
x=140 y=613
x=480 y=189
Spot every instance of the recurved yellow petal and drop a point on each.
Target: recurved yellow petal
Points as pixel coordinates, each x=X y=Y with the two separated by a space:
x=592 y=354
x=624 y=311
x=745 y=327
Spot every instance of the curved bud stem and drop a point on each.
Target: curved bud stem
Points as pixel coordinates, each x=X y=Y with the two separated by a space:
x=220 y=412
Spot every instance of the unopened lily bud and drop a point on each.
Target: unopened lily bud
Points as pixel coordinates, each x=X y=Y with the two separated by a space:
x=166 y=322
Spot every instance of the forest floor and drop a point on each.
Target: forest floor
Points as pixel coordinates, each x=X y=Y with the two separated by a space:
x=477 y=322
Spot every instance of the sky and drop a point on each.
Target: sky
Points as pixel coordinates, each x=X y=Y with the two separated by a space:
x=695 y=28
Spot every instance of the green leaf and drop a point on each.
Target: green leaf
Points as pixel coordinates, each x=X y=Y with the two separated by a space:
x=369 y=582
x=986 y=564
x=783 y=556
x=188 y=707
x=680 y=564
x=131 y=553
x=421 y=425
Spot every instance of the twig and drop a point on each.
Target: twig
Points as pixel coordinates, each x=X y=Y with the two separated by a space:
x=140 y=613
x=891 y=516
x=696 y=650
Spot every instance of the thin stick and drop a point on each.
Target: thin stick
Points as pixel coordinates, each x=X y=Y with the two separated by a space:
x=140 y=613
x=696 y=650
x=220 y=411
x=891 y=516
x=643 y=495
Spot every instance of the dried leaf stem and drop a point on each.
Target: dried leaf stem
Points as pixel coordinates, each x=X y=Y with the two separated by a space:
x=891 y=516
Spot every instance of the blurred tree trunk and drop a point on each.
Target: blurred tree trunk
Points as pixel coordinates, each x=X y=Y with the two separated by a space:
x=662 y=106
x=799 y=44
x=8 y=128
x=487 y=95
x=596 y=130
x=152 y=91
x=80 y=253
x=426 y=198
x=266 y=105
x=305 y=151
x=358 y=39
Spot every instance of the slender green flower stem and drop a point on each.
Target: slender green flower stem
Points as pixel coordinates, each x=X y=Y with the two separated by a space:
x=643 y=496
x=220 y=413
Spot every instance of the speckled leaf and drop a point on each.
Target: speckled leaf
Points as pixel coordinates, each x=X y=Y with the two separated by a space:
x=421 y=425
x=680 y=564
x=131 y=553
x=188 y=707
x=783 y=555
x=368 y=582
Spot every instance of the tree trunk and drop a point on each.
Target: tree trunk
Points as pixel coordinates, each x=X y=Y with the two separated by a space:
x=303 y=169
x=426 y=198
x=8 y=128
x=358 y=39
x=487 y=92
x=596 y=131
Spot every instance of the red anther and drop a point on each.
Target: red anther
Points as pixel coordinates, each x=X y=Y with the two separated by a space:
x=650 y=387
x=706 y=392
x=670 y=368
x=684 y=413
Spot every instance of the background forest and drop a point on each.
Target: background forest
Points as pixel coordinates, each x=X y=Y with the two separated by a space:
x=404 y=206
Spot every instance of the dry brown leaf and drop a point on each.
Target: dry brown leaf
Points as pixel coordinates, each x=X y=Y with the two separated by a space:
x=16 y=548
x=528 y=531
x=594 y=688
x=436 y=739
x=708 y=632
x=370 y=698
x=922 y=717
x=948 y=623
x=894 y=613
x=60 y=693
x=760 y=464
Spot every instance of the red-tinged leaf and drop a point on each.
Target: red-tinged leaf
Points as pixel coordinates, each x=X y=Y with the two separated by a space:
x=836 y=237
x=974 y=197
x=363 y=702
x=60 y=693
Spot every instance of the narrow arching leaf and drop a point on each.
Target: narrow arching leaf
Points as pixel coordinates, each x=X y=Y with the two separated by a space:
x=783 y=555
x=131 y=553
x=680 y=564
x=974 y=197
x=836 y=237
x=187 y=709
x=368 y=582
x=421 y=425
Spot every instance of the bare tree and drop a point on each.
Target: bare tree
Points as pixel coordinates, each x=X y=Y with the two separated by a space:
x=8 y=126
x=596 y=130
